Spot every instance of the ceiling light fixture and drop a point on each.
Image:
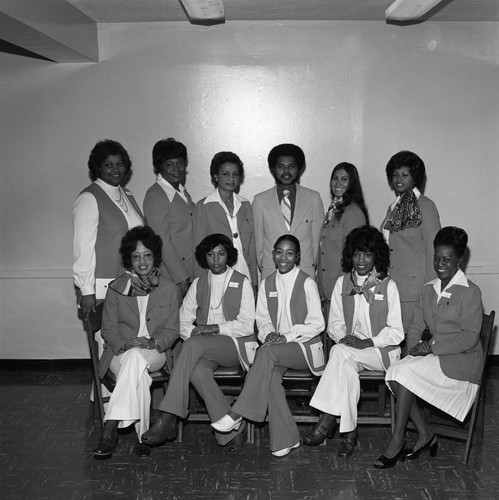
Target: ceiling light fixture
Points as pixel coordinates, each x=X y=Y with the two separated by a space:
x=409 y=10
x=204 y=11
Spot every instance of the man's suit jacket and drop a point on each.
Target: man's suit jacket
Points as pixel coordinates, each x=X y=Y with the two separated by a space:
x=454 y=324
x=306 y=226
x=174 y=223
x=121 y=319
x=210 y=218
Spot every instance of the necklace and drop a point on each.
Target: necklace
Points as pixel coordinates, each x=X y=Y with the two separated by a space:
x=121 y=201
x=217 y=306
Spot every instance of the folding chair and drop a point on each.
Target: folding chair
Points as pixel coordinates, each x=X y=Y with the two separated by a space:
x=444 y=425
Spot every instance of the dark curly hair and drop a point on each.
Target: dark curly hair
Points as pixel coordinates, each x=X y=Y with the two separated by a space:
x=291 y=239
x=454 y=237
x=410 y=160
x=286 y=150
x=148 y=238
x=101 y=151
x=225 y=157
x=354 y=192
x=366 y=239
x=209 y=243
x=166 y=149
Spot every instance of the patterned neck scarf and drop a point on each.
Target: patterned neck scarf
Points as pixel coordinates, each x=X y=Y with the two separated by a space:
x=331 y=211
x=364 y=289
x=406 y=214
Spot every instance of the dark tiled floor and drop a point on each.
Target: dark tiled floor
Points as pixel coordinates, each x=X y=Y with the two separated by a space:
x=47 y=435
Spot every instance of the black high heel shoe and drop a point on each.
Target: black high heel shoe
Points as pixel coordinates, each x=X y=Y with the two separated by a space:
x=385 y=463
x=431 y=444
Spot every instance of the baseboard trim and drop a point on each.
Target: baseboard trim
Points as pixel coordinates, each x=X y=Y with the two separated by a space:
x=44 y=365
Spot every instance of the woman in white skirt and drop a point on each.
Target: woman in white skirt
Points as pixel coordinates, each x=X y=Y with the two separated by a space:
x=445 y=370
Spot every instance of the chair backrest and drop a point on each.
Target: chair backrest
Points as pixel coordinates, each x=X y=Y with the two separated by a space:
x=93 y=325
x=485 y=335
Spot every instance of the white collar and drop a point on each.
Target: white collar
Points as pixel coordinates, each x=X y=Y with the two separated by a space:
x=107 y=187
x=459 y=279
x=168 y=188
x=215 y=197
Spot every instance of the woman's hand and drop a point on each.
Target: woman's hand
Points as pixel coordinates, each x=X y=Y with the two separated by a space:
x=356 y=343
x=87 y=305
x=274 y=338
x=141 y=342
x=421 y=349
x=205 y=330
x=183 y=287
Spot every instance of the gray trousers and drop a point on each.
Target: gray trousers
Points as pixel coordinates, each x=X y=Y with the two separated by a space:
x=199 y=358
x=263 y=392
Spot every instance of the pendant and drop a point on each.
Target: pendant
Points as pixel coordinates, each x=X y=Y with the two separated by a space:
x=235 y=235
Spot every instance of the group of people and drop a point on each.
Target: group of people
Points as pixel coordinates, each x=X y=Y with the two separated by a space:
x=184 y=285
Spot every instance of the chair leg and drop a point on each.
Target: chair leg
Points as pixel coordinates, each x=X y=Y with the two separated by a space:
x=180 y=434
x=392 y=411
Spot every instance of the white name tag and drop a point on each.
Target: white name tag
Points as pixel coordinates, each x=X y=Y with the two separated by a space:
x=272 y=294
x=379 y=296
x=233 y=284
x=446 y=295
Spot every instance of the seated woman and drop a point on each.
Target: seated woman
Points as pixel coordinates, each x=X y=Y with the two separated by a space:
x=138 y=334
x=445 y=370
x=222 y=306
x=289 y=320
x=366 y=324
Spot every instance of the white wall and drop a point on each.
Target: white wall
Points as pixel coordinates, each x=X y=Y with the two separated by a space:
x=344 y=91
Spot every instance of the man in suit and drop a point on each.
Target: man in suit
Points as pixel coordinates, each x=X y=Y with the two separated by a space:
x=287 y=208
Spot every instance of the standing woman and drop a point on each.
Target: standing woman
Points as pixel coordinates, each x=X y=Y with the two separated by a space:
x=103 y=212
x=410 y=226
x=444 y=371
x=225 y=212
x=169 y=210
x=289 y=321
x=346 y=212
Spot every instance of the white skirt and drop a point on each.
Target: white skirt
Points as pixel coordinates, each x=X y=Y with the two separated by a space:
x=423 y=376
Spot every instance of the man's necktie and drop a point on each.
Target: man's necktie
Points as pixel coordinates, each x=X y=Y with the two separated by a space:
x=286 y=208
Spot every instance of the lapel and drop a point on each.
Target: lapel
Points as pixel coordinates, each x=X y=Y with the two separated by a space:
x=218 y=213
x=274 y=210
x=301 y=207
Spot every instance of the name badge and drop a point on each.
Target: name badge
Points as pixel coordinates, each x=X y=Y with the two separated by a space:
x=233 y=284
x=446 y=295
x=379 y=296
x=272 y=294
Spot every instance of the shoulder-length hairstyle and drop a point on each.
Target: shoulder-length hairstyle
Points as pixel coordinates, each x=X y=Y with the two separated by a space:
x=209 y=243
x=366 y=239
x=149 y=239
x=166 y=149
x=354 y=192
x=101 y=151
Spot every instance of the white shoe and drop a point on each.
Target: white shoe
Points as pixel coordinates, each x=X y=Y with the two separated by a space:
x=227 y=424
x=285 y=451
